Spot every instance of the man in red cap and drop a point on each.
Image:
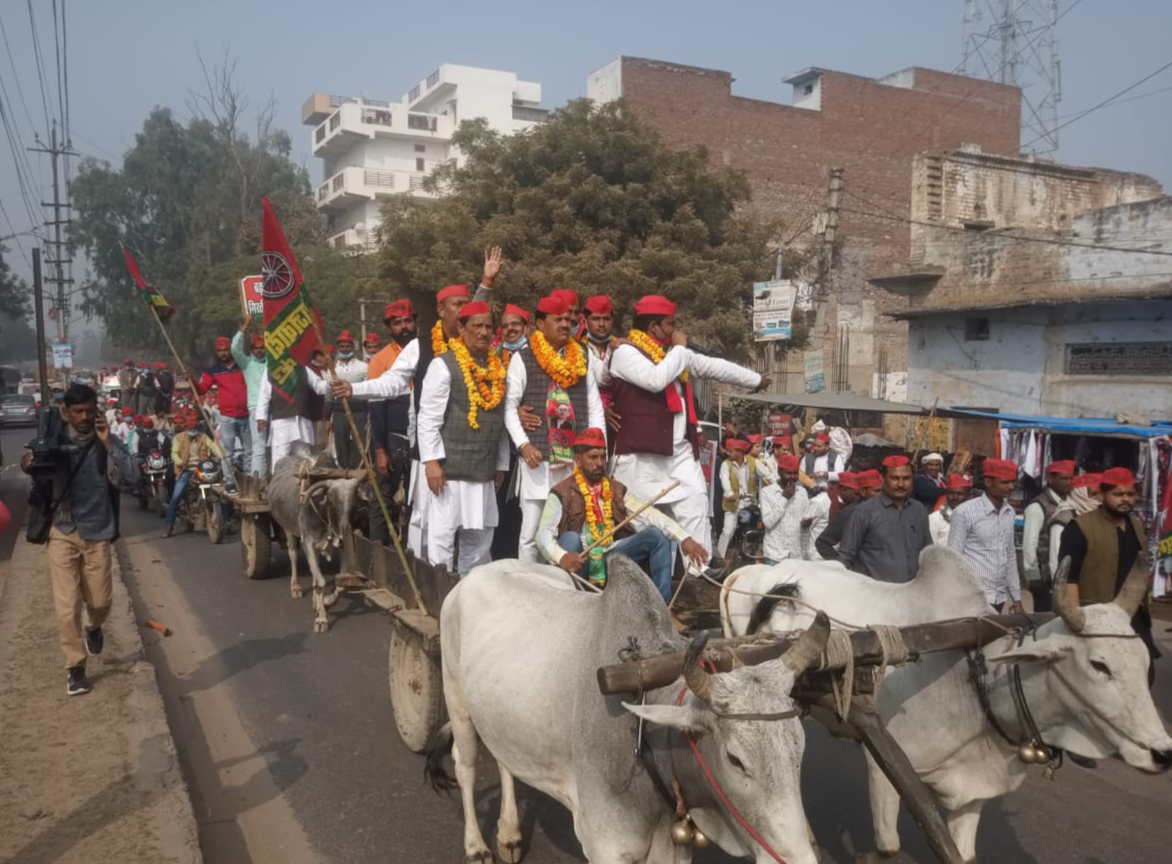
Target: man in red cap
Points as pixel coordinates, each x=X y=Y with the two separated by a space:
x=822 y=463
x=254 y=367
x=228 y=379
x=463 y=445
x=551 y=379
x=741 y=477
x=884 y=534
x=371 y=345
x=657 y=439
x=785 y=509
x=189 y=448
x=128 y=383
x=514 y=331
x=406 y=375
x=982 y=532
x=347 y=367
x=1035 y=541
x=587 y=506
x=957 y=489
x=600 y=341
x=826 y=543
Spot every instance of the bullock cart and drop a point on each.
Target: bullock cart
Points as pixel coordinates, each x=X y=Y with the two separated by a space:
x=821 y=690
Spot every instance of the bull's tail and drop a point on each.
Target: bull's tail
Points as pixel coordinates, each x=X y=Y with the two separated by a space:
x=765 y=606
x=435 y=772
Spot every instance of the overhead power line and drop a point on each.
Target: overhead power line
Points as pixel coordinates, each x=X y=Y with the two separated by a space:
x=46 y=100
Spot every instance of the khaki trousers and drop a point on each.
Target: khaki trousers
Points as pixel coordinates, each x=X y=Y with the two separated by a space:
x=81 y=572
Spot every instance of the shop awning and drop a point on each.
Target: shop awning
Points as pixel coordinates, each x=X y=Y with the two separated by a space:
x=837 y=402
x=1072 y=426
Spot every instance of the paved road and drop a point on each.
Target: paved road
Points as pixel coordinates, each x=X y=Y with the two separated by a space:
x=287 y=739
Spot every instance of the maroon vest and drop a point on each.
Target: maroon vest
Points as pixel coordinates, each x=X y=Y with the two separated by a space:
x=646 y=422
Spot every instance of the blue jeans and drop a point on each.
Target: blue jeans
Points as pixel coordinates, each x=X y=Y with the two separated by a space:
x=648 y=546
x=232 y=428
x=177 y=495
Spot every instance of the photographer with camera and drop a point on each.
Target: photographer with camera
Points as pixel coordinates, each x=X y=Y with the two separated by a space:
x=74 y=510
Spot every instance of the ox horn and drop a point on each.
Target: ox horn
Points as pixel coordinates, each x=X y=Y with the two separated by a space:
x=1135 y=586
x=698 y=681
x=313 y=488
x=809 y=646
x=1074 y=616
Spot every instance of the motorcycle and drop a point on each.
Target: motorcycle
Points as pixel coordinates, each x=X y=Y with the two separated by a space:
x=154 y=482
x=199 y=510
x=749 y=539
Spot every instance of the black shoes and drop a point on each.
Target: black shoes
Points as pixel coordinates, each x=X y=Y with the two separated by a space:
x=78 y=684
x=94 y=640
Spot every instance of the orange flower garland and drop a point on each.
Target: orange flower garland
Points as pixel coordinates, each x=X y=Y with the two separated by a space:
x=651 y=348
x=597 y=531
x=486 y=384
x=439 y=344
x=565 y=371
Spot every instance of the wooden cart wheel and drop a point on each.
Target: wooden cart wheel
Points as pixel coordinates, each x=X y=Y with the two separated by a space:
x=214 y=519
x=256 y=543
x=417 y=693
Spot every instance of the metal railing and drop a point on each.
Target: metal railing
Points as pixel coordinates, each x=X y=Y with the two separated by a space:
x=376 y=103
x=335 y=120
x=417 y=182
x=424 y=122
x=414 y=94
x=319 y=133
x=535 y=115
x=378 y=179
x=432 y=79
x=323 y=191
x=336 y=101
x=338 y=181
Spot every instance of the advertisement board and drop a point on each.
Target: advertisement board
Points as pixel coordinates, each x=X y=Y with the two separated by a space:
x=251 y=299
x=815 y=371
x=62 y=355
x=773 y=306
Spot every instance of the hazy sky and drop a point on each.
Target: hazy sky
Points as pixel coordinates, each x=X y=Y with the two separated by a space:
x=126 y=56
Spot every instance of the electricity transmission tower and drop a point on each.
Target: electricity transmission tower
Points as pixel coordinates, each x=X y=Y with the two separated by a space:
x=1016 y=42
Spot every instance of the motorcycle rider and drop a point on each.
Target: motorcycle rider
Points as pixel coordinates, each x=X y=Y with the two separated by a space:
x=188 y=450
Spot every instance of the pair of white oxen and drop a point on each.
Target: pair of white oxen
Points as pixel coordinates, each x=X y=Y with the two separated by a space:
x=520 y=654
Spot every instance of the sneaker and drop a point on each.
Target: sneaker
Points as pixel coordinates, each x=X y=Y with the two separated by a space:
x=78 y=684
x=230 y=488
x=94 y=640
x=170 y=529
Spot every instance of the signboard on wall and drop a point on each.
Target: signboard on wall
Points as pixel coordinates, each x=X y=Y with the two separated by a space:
x=62 y=355
x=815 y=371
x=251 y=300
x=780 y=423
x=773 y=306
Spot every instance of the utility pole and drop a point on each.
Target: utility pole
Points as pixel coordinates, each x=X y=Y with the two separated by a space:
x=60 y=261
x=833 y=202
x=39 y=311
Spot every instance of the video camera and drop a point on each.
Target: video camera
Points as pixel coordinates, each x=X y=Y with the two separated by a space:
x=52 y=446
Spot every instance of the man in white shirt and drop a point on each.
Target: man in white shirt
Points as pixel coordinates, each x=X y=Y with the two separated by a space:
x=348 y=367
x=741 y=477
x=657 y=439
x=822 y=464
x=956 y=491
x=784 y=508
x=982 y=532
x=1035 y=541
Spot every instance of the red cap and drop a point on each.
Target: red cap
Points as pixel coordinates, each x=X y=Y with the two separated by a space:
x=159 y=364
x=869 y=479
x=223 y=342
x=476 y=307
x=1083 y=481
x=848 y=480
x=1000 y=469
x=514 y=309
x=127 y=412
x=452 y=291
x=1117 y=477
x=754 y=439
x=738 y=444
x=329 y=349
x=782 y=440
x=258 y=341
x=591 y=437
x=400 y=309
x=895 y=461
x=553 y=305
x=958 y=481
x=570 y=298
x=1066 y=466
x=788 y=462
x=111 y=401
x=345 y=336
x=599 y=304
x=148 y=422
x=128 y=362
x=822 y=436
x=137 y=418
x=655 y=304
x=372 y=339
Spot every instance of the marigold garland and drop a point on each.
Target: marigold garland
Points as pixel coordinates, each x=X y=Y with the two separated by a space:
x=597 y=531
x=651 y=348
x=565 y=371
x=439 y=342
x=485 y=384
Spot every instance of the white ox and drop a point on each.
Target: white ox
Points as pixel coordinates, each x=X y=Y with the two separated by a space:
x=520 y=653
x=1088 y=696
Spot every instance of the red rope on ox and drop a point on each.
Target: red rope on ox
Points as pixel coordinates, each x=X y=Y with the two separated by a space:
x=720 y=792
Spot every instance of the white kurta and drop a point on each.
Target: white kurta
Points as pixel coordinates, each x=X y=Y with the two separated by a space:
x=939 y=521
x=288 y=435
x=647 y=473
x=783 y=522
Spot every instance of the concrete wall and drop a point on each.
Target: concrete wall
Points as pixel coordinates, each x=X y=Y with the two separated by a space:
x=1021 y=367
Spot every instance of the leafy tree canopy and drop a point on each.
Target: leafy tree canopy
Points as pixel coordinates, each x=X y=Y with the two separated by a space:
x=593 y=201
x=17 y=339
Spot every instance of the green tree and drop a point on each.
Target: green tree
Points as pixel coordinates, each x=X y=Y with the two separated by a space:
x=17 y=337
x=589 y=200
x=187 y=202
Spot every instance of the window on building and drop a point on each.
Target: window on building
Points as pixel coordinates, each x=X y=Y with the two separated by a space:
x=1119 y=358
x=976 y=329
x=419 y=165
x=808 y=90
x=420 y=148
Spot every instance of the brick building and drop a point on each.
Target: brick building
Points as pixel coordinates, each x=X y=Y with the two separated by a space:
x=872 y=128
x=1037 y=288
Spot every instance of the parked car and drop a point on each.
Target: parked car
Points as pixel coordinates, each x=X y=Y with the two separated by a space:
x=18 y=409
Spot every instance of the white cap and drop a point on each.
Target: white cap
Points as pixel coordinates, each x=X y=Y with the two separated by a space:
x=932 y=457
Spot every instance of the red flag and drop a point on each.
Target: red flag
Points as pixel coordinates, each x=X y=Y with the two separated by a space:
x=154 y=297
x=292 y=322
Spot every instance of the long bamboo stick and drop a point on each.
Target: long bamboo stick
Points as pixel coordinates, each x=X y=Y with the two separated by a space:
x=609 y=534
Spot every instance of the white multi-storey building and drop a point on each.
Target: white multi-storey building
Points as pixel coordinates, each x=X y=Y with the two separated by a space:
x=373 y=149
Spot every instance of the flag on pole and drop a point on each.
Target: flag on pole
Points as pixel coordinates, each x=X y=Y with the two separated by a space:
x=153 y=296
x=290 y=316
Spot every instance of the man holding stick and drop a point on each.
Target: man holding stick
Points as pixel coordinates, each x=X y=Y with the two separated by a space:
x=588 y=507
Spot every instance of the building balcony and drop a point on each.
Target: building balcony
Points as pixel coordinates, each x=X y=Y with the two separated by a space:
x=351 y=238
x=352 y=186
x=354 y=122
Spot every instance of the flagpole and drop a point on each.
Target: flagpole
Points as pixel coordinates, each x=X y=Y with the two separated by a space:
x=371 y=475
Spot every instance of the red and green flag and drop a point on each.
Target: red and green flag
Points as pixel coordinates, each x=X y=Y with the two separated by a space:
x=292 y=322
x=155 y=300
